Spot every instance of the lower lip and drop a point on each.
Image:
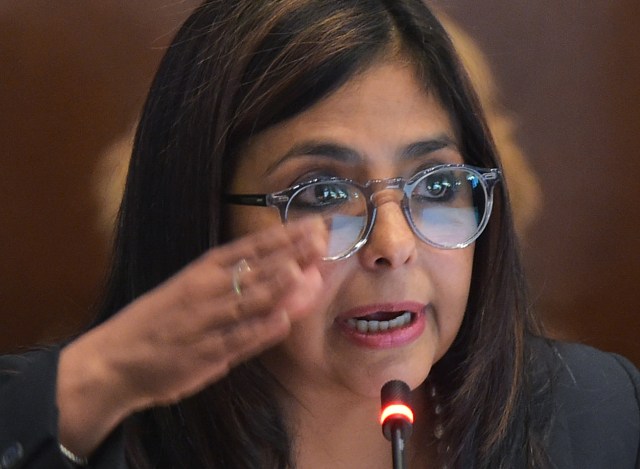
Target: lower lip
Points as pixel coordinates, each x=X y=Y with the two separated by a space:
x=387 y=339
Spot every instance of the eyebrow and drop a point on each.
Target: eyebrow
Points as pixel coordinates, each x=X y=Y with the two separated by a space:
x=348 y=155
x=426 y=147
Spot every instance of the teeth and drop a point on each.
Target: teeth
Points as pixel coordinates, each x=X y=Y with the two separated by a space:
x=363 y=326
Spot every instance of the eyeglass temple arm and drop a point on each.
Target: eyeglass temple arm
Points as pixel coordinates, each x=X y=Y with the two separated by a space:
x=247 y=199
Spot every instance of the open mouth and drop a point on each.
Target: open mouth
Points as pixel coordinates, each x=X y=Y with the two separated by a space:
x=380 y=322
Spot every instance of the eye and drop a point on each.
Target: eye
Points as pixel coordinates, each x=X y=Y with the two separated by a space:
x=322 y=196
x=438 y=187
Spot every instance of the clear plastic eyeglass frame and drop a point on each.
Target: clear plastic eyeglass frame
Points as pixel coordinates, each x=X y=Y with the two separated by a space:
x=486 y=178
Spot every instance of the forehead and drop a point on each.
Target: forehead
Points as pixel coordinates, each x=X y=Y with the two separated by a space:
x=376 y=113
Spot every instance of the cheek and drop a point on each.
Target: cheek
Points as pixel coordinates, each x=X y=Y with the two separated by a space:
x=452 y=280
x=452 y=272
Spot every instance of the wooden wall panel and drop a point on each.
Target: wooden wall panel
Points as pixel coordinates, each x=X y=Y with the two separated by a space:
x=73 y=76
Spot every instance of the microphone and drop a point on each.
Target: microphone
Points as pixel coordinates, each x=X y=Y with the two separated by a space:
x=396 y=418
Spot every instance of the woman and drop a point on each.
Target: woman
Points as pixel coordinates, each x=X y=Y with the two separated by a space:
x=229 y=340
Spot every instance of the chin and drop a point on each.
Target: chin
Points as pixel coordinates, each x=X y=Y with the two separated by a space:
x=370 y=383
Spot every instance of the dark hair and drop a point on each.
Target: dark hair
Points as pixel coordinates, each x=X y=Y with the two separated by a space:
x=234 y=69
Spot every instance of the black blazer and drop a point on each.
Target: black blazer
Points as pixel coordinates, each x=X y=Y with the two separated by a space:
x=597 y=409
x=596 y=423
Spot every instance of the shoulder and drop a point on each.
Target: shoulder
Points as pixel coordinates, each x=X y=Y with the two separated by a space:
x=591 y=386
x=40 y=362
x=596 y=405
x=581 y=366
x=584 y=374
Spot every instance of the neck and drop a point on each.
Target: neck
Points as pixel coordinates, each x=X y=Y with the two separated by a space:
x=342 y=430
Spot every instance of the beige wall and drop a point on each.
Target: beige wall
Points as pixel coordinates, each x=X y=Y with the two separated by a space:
x=73 y=77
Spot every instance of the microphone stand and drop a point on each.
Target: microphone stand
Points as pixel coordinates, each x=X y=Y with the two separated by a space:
x=397 y=445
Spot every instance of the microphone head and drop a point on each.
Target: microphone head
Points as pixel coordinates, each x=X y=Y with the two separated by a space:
x=395 y=397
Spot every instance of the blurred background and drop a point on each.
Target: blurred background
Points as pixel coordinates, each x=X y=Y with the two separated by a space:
x=73 y=77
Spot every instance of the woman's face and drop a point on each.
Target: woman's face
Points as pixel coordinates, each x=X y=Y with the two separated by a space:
x=380 y=124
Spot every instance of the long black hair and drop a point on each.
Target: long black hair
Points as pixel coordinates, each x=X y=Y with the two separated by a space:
x=234 y=69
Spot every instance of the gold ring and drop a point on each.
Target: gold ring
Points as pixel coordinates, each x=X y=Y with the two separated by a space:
x=241 y=267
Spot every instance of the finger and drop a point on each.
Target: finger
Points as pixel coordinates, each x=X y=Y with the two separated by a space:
x=263 y=269
x=206 y=295
x=213 y=356
x=258 y=335
x=306 y=236
x=205 y=302
x=208 y=280
x=258 y=297
x=242 y=341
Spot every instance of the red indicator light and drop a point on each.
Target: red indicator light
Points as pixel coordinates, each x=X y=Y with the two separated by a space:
x=398 y=411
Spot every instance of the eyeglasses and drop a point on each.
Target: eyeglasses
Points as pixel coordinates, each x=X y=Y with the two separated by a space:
x=447 y=206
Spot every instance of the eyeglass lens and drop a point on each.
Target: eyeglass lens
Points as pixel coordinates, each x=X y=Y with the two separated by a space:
x=446 y=208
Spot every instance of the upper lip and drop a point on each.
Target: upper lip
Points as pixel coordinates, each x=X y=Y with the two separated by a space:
x=394 y=307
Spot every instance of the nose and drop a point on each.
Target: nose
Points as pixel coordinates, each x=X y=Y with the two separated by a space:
x=391 y=242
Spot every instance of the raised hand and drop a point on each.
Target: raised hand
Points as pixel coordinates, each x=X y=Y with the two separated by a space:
x=226 y=306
